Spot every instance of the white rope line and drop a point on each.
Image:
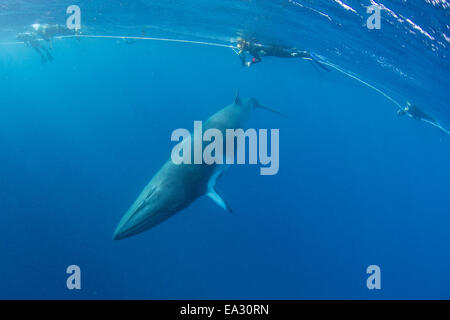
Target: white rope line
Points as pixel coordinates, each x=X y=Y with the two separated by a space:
x=363 y=82
x=10 y=43
x=133 y=38
x=437 y=125
x=234 y=48
x=150 y=38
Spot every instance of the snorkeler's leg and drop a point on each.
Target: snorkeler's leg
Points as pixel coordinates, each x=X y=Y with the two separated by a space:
x=49 y=56
x=242 y=57
x=303 y=54
x=255 y=59
x=300 y=54
x=43 y=60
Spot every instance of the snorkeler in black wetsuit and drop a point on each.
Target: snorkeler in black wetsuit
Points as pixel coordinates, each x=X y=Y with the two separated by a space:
x=31 y=40
x=44 y=32
x=47 y=32
x=416 y=113
x=258 y=50
x=129 y=40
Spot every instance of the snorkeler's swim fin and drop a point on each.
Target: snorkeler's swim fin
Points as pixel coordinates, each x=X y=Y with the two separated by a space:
x=319 y=63
x=49 y=56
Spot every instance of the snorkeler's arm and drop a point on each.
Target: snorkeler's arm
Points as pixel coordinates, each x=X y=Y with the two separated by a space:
x=242 y=57
x=41 y=54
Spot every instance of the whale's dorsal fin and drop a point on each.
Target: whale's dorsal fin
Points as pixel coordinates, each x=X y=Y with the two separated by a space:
x=212 y=193
x=237 y=100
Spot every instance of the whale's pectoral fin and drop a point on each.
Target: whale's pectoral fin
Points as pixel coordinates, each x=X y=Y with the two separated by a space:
x=212 y=193
x=218 y=199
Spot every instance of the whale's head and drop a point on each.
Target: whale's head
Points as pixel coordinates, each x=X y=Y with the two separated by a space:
x=149 y=210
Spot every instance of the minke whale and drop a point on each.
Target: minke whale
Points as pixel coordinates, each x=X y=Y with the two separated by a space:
x=175 y=186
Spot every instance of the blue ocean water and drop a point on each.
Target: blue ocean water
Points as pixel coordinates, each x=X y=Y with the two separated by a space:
x=81 y=136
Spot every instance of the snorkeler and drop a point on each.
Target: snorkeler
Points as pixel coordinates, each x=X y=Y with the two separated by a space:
x=47 y=32
x=133 y=40
x=416 y=113
x=258 y=50
x=31 y=40
x=129 y=41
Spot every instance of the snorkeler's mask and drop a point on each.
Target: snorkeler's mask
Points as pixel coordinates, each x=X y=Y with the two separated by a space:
x=240 y=43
